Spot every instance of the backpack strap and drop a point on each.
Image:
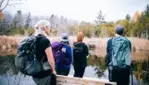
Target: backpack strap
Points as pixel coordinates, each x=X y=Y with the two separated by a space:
x=37 y=37
x=113 y=60
x=81 y=44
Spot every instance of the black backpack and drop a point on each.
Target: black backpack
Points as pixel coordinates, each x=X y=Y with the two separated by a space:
x=25 y=60
x=78 y=51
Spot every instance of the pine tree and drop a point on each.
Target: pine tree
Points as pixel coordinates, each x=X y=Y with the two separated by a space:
x=147 y=11
x=128 y=17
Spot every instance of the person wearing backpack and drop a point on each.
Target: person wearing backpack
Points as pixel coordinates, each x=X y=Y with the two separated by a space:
x=34 y=56
x=80 y=53
x=118 y=57
x=63 y=55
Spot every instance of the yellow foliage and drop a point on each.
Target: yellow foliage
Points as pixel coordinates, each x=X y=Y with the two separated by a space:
x=135 y=16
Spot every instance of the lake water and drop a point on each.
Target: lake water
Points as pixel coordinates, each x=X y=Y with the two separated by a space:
x=95 y=69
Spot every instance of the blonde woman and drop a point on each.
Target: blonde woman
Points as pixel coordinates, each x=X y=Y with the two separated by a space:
x=80 y=52
x=43 y=49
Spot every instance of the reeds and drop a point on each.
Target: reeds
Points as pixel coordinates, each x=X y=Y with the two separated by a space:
x=7 y=46
x=97 y=46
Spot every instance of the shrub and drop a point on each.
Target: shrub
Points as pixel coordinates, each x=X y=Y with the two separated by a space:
x=30 y=31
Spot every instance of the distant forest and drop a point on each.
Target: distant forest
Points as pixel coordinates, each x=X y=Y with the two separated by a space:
x=22 y=24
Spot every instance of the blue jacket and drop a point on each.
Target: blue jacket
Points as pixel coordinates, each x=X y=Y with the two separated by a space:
x=109 y=52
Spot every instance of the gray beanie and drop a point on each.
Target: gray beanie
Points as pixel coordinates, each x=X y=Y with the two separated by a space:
x=119 y=29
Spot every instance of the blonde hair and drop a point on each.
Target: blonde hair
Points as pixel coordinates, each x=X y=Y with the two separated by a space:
x=39 y=26
x=80 y=36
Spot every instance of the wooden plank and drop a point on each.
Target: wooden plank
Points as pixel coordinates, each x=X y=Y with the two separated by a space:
x=65 y=80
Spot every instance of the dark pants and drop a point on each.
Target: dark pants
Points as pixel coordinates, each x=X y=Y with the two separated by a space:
x=121 y=76
x=42 y=81
x=62 y=71
x=49 y=80
x=79 y=71
x=110 y=75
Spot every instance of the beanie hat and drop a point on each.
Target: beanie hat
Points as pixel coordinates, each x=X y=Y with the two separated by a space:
x=119 y=29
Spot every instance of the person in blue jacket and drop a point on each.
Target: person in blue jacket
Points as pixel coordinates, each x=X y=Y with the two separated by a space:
x=118 y=51
x=64 y=69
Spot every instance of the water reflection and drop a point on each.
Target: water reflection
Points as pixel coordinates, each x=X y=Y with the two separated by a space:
x=140 y=69
x=9 y=75
x=98 y=63
x=96 y=68
x=7 y=65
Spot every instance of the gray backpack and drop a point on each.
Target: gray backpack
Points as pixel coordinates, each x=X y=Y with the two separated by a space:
x=26 y=60
x=121 y=49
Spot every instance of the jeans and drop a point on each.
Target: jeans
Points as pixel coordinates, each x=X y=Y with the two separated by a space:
x=79 y=71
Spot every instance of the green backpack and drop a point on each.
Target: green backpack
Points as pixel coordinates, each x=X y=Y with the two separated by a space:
x=121 y=49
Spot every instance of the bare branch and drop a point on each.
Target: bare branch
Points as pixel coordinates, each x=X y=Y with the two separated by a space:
x=1 y=3
x=5 y=6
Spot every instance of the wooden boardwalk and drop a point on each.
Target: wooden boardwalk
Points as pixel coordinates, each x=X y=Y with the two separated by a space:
x=66 y=80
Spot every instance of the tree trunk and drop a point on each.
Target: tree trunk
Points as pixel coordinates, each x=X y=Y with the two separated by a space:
x=147 y=34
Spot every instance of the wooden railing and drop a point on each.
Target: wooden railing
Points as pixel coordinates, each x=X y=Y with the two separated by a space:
x=65 y=80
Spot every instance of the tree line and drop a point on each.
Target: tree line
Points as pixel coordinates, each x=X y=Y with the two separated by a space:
x=23 y=24
x=135 y=26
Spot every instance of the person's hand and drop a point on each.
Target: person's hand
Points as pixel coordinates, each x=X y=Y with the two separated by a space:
x=53 y=78
x=54 y=72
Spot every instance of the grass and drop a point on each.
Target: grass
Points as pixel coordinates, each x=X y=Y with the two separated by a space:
x=140 y=47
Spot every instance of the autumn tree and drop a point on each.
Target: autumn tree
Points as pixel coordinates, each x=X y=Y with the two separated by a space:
x=86 y=28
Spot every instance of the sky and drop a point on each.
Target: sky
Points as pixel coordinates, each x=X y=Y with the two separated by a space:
x=82 y=10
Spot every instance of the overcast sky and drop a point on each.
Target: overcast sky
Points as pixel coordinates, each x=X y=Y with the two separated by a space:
x=83 y=10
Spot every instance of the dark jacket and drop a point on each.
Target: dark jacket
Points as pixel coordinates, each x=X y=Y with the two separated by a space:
x=79 y=59
x=108 y=56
